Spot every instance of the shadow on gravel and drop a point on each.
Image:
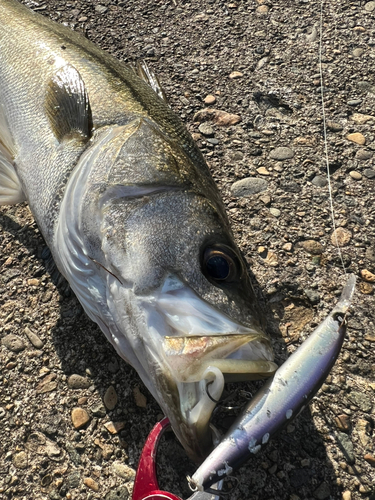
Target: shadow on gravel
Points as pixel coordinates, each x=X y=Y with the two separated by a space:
x=295 y=463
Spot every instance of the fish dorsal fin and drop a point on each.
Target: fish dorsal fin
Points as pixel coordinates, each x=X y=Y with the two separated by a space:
x=10 y=185
x=144 y=72
x=67 y=105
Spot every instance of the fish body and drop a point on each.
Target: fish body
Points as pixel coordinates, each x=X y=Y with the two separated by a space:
x=134 y=221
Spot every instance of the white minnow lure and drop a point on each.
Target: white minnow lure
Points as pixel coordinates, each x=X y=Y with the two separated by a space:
x=281 y=398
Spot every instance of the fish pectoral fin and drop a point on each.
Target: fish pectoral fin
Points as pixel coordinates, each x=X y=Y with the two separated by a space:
x=147 y=75
x=10 y=184
x=67 y=106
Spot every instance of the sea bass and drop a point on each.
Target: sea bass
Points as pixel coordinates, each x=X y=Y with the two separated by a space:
x=134 y=221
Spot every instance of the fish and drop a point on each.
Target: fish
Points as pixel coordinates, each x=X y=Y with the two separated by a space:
x=134 y=221
x=283 y=397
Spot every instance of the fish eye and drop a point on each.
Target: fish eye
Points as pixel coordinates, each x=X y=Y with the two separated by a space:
x=220 y=264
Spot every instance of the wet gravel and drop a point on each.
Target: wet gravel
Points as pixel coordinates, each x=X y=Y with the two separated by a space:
x=73 y=416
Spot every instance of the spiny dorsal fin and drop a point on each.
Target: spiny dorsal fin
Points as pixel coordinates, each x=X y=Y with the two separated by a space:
x=67 y=105
x=144 y=72
x=10 y=185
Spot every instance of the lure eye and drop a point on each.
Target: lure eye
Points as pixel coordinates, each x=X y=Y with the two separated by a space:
x=220 y=264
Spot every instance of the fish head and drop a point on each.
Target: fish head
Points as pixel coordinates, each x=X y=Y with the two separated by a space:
x=181 y=308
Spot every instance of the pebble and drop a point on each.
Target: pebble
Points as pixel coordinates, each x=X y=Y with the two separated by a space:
x=271 y=259
x=73 y=480
x=110 y=398
x=20 y=460
x=363 y=427
x=360 y=118
x=265 y=198
x=369 y=173
x=346 y=445
x=221 y=118
x=370 y=6
x=263 y=171
x=368 y=275
x=48 y=384
x=357 y=137
x=320 y=181
x=354 y=102
x=120 y=493
x=343 y=422
x=206 y=129
x=235 y=74
x=275 y=212
x=33 y=282
x=98 y=410
x=287 y=247
x=370 y=459
x=322 y=491
x=209 y=99
x=355 y=175
x=114 y=427
x=248 y=187
x=34 y=339
x=78 y=382
x=312 y=247
x=347 y=495
x=80 y=418
x=341 y=237
x=363 y=154
x=334 y=126
x=123 y=471
x=281 y=153
x=101 y=9
x=262 y=10
x=370 y=254
x=213 y=141
x=312 y=295
x=361 y=400
x=90 y=483
x=365 y=288
x=140 y=399
x=357 y=52
x=13 y=343
x=82 y=19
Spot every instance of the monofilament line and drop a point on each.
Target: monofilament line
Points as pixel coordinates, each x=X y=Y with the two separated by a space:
x=325 y=135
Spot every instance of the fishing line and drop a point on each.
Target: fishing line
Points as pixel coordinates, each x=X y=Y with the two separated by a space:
x=325 y=136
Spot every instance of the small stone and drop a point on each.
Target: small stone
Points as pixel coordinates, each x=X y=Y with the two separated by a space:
x=110 y=398
x=365 y=288
x=248 y=187
x=369 y=6
x=341 y=237
x=312 y=295
x=101 y=9
x=120 y=493
x=13 y=343
x=235 y=74
x=363 y=155
x=344 y=442
x=20 y=460
x=281 y=153
x=334 y=126
x=370 y=459
x=347 y=495
x=357 y=137
x=80 y=418
x=107 y=451
x=221 y=118
x=33 y=282
x=90 y=483
x=287 y=247
x=213 y=141
x=312 y=247
x=78 y=382
x=368 y=276
x=357 y=52
x=275 y=212
x=83 y=400
x=82 y=19
x=206 y=129
x=361 y=400
x=370 y=254
x=114 y=427
x=140 y=399
x=363 y=429
x=265 y=198
x=263 y=171
x=73 y=480
x=209 y=99
x=262 y=10
x=98 y=410
x=323 y=491
x=271 y=259
x=355 y=175
x=320 y=181
x=34 y=339
x=123 y=471
x=48 y=384
x=369 y=173
x=360 y=118
x=343 y=422
x=354 y=102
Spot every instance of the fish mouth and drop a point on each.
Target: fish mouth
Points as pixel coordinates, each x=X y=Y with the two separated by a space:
x=195 y=349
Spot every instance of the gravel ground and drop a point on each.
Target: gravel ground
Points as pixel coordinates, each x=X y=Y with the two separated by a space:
x=259 y=60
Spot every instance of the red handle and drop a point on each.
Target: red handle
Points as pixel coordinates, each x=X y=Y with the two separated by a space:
x=146 y=483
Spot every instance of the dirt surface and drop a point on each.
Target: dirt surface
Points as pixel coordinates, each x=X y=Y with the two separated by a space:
x=284 y=231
